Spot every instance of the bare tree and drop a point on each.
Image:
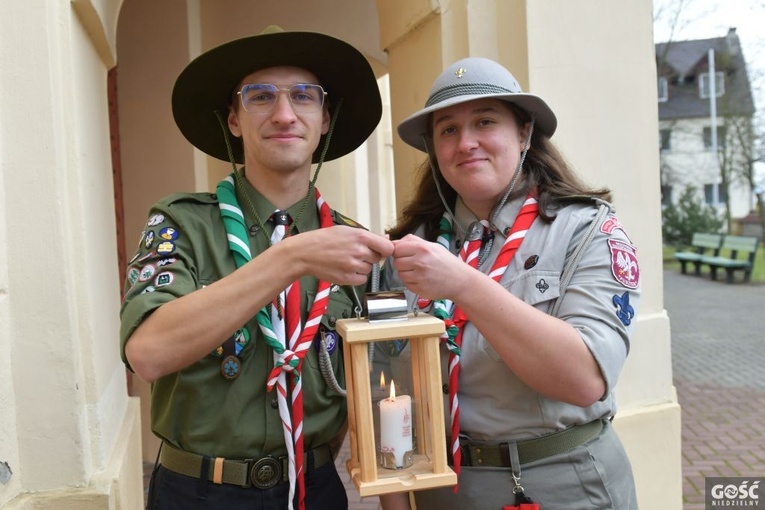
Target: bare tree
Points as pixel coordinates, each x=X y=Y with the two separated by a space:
x=743 y=143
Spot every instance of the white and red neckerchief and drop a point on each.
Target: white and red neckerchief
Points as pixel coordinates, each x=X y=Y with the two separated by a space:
x=455 y=325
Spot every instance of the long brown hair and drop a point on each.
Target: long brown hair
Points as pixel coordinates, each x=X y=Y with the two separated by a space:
x=544 y=168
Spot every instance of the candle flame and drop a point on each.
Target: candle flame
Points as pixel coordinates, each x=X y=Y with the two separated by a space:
x=382 y=380
x=392 y=390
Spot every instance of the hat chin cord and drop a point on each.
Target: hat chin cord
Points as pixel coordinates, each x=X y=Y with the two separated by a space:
x=325 y=362
x=500 y=204
x=312 y=183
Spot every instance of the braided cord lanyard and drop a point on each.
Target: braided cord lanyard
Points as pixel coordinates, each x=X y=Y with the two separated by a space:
x=455 y=324
x=282 y=334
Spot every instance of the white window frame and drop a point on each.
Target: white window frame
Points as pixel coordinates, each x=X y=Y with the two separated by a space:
x=706 y=135
x=704 y=85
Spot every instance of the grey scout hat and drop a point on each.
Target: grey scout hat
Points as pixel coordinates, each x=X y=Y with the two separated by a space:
x=469 y=79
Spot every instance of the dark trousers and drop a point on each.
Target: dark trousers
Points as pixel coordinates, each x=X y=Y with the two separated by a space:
x=172 y=491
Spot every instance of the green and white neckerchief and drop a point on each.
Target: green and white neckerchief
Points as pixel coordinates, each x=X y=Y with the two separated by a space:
x=283 y=332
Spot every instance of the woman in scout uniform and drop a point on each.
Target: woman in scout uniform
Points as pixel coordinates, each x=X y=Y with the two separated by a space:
x=539 y=286
x=230 y=295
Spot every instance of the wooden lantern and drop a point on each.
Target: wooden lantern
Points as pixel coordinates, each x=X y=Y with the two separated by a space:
x=429 y=468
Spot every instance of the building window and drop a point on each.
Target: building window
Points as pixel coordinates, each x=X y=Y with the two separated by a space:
x=720 y=137
x=665 y=135
x=704 y=85
x=666 y=196
x=663 y=91
x=722 y=194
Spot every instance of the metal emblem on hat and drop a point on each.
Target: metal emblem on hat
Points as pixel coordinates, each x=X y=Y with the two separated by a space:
x=459 y=73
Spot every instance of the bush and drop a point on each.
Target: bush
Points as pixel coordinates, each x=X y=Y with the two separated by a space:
x=689 y=215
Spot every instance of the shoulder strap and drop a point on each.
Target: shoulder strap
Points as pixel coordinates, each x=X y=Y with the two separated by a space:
x=341 y=219
x=576 y=257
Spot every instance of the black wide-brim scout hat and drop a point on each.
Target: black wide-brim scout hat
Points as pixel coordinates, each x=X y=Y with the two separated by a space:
x=469 y=79
x=207 y=84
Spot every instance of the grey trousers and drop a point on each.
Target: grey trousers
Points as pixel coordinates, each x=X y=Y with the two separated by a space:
x=596 y=475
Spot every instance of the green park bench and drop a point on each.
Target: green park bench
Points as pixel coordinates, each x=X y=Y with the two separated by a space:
x=745 y=246
x=700 y=243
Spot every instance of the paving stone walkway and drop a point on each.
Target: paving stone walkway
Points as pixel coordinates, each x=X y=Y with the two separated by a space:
x=718 y=362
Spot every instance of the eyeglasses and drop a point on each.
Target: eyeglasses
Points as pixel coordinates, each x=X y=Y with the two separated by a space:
x=261 y=97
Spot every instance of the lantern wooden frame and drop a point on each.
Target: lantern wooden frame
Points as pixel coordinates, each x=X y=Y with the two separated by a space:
x=429 y=468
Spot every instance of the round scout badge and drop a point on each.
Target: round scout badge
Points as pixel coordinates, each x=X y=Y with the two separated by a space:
x=231 y=366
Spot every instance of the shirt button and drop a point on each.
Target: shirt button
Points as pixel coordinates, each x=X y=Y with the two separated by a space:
x=332 y=321
x=254 y=229
x=445 y=389
x=274 y=403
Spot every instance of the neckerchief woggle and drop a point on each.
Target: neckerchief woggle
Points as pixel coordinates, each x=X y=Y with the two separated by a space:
x=456 y=320
x=282 y=332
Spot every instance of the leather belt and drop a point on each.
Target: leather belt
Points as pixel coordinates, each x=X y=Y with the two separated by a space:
x=493 y=454
x=262 y=473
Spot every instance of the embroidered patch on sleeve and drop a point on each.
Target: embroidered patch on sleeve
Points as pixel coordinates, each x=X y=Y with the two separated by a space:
x=132 y=275
x=163 y=279
x=166 y=261
x=624 y=263
x=155 y=220
x=612 y=223
x=168 y=234
x=624 y=310
x=148 y=241
x=147 y=272
x=165 y=247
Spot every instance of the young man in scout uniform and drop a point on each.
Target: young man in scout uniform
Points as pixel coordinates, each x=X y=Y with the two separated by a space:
x=232 y=298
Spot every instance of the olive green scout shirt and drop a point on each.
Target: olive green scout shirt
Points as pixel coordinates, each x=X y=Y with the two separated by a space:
x=182 y=249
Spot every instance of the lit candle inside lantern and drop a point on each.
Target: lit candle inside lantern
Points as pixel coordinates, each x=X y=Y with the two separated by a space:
x=381 y=390
x=396 y=425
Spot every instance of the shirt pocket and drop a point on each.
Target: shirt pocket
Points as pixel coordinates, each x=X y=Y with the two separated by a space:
x=536 y=288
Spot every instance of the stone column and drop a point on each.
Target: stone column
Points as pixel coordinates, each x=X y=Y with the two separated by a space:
x=70 y=432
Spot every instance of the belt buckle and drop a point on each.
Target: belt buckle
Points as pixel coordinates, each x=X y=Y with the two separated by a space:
x=266 y=472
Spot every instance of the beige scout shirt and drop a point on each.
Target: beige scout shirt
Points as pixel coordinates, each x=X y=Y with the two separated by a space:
x=494 y=403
